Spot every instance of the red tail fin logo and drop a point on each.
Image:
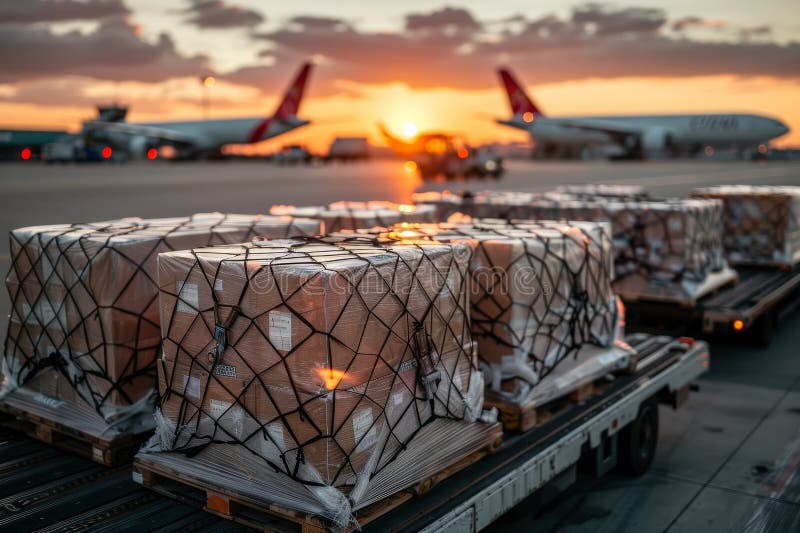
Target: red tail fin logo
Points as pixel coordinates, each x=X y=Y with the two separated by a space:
x=290 y=104
x=517 y=99
x=288 y=107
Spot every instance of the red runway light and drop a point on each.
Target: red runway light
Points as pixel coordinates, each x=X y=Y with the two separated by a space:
x=463 y=153
x=152 y=153
x=106 y=153
x=25 y=154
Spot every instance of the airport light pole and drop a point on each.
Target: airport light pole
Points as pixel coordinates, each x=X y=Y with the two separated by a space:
x=208 y=82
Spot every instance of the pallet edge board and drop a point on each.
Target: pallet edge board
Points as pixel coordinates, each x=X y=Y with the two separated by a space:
x=224 y=502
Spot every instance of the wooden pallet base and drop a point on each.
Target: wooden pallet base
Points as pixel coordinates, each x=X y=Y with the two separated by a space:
x=108 y=452
x=521 y=418
x=268 y=516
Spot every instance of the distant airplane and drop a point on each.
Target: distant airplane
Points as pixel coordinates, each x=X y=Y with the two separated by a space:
x=198 y=137
x=636 y=136
x=433 y=142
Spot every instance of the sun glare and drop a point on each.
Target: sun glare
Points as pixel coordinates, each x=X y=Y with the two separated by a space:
x=410 y=130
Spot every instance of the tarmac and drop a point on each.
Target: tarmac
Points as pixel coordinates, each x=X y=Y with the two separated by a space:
x=729 y=460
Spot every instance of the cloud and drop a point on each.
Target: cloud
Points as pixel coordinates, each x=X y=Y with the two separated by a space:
x=32 y=11
x=755 y=31
x=448 y=18
x=113 y=51
x=217 y=14
x=593 y=41
x=446 y=47
x=604 y=20
x=687 y=23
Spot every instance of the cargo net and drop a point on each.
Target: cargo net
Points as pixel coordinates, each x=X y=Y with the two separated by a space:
x=340 y=216
x=540 y=292
x=591 y=191
x=481 y=205
x=762 y=223
x=84 y=327
x=320 y=359
x=666 y=241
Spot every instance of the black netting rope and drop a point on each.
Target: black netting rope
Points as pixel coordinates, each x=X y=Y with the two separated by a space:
x=71 y=253
x=190 y=438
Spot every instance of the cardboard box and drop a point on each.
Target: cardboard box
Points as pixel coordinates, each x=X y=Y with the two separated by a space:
x=539 y=292
x=340 y=216
x=762 y=223
x=93 y=288
x=318 y=371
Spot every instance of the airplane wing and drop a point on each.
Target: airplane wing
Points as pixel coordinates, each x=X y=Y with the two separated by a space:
x=153 y=132
x=617 y=133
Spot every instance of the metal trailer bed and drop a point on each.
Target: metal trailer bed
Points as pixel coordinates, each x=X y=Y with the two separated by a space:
x=44 y=488
x=752 y=307
x=473 y=498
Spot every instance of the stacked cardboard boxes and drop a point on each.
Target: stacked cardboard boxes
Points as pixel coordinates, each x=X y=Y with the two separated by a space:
x=664 y=250
x=320 y=358
x=591 y=191
x=360 y=215
x=542 y=307
x=85 y=309
x=483 y=204
x=762 y=223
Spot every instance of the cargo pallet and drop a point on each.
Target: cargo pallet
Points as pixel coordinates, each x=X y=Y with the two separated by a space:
x=265 y=515
x=751 y=307
x=471 y=494
x=521 y=418
x=114 y=451
x=599 y=431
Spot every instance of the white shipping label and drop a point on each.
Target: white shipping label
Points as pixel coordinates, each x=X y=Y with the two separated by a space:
x=191 y=386
x=228 y=371
x=218 y=408
x=280 y=330
x=187 y=297
x=228 y=417
x=218 y=285
x=363 y=427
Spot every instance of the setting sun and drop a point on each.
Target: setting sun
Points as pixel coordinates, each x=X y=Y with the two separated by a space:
x=410 y=130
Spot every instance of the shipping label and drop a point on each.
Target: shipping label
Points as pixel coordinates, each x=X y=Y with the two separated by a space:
x=191 y=386
x=280 y=330
x=187 y=297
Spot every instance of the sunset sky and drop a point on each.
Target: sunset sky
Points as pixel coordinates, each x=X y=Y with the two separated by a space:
x=429 y=63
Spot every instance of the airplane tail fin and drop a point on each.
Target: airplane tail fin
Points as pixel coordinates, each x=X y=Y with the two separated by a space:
x=387 y=134
x=518 y=100
x=290 y=104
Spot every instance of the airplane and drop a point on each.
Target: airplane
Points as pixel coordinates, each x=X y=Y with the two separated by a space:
x=635 y=136
x=202 y=137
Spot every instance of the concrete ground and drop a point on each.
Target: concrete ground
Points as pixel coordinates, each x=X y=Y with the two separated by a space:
x=727 y=461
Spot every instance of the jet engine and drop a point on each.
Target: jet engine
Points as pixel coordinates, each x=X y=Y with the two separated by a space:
x=138 y=146
x=657 y=140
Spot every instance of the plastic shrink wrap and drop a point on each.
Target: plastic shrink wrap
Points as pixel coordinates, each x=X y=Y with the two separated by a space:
x=591 y=191
x=360 y=215
x=762 y=223
x=544 y=315
x=84 y=329
x=667 y=249
x=482 y=205
x=317 y=374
